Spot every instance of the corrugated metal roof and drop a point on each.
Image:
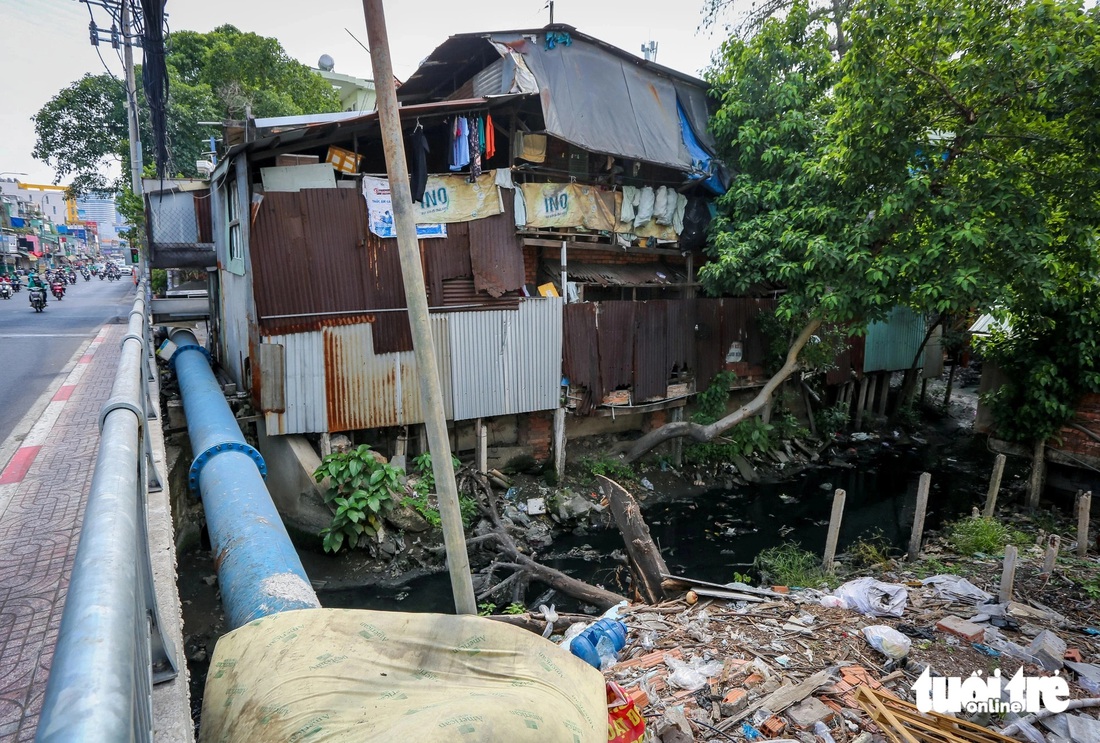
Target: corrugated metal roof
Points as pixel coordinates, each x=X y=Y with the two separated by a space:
x=633 y=274
x=505 y=362
x=892 y=344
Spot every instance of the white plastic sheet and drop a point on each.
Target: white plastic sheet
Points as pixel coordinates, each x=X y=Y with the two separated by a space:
x=873 y=597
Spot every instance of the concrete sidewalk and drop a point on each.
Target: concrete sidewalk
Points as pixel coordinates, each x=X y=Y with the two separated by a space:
x=43 y=492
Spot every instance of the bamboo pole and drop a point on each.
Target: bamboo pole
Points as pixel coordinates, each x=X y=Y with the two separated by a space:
x=994 y=486
x=834 y=529
x=915 y=537
x=431 y=396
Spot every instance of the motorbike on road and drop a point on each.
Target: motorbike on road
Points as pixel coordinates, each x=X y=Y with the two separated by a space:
x=87 y=276
x=38 y=298
x=58 y=290
x=5 y=290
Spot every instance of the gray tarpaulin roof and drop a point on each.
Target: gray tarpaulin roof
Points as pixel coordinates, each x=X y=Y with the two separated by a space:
x=593 y=95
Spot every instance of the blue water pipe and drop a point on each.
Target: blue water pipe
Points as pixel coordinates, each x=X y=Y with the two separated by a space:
x=259 y=571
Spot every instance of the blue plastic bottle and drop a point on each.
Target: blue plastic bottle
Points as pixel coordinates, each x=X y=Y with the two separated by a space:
x=584 y=644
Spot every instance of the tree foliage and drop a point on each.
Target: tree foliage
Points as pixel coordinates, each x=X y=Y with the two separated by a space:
x=946 y=162
x=212 y=76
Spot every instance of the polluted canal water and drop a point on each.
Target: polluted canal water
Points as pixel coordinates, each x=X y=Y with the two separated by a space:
x=706 y=534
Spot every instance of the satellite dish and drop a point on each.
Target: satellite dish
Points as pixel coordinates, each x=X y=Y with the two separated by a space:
x=326 y=63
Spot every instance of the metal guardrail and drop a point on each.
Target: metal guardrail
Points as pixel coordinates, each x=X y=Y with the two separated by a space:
x=110 y=650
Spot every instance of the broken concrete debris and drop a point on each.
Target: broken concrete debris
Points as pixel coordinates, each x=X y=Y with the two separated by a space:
x=749 y=663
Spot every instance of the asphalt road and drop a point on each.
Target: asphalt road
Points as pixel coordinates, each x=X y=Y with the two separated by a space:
x=36 y=347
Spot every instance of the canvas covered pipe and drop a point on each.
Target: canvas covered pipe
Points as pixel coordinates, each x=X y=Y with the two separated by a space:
x=259 y=571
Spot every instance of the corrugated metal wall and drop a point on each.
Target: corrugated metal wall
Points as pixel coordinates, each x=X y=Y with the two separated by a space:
x=304 y=390
x=506 y=362
x=891 y=345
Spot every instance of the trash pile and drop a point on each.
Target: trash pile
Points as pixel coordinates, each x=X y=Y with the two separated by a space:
x=863 y=663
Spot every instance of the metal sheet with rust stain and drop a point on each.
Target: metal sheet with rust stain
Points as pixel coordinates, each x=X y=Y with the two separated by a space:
x=581 y=350
x=615 y=328
x=496 y=253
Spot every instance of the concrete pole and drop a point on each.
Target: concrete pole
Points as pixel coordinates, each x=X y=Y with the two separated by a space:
x=1084 y=505
x=431 y=395
x=834 y=529
x=923 y=487
x=994 y=486
x=1008 y=574
x=131 y=101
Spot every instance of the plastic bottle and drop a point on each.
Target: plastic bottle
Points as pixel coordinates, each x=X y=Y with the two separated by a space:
x=584 y=645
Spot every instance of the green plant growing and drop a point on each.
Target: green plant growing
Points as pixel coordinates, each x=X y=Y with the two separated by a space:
x=515 y=608
x=971 y=535
x=870 y=551
x=790 y=565
x=746 y=438
x=832 y=420
x=467 y=506
x=742 y=578
x=609 y=467
x=361 y=490
x=486 y=608
x=710 y=404
x=426 y=476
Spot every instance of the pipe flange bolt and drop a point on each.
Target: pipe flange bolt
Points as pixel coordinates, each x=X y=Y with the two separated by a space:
x=188 y=347
x=212 y=451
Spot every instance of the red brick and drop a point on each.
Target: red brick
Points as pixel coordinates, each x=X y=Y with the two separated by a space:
x=961 y=628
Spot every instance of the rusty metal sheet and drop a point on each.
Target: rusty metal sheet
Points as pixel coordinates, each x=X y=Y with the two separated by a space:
x=446 y=258
x=369 y=390
x=461 y=295
x=496 y=253
x=580 y=342
x=313 y=260
x=271 y=363
x=710 y=356
x=650 y=350
x=615 y=327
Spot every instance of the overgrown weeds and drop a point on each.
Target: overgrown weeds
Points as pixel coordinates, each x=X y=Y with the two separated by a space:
x=870 y=551
x=972 y=535
x=790 y=565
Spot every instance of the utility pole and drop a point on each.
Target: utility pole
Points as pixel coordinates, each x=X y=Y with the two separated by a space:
x=431 y=396
x=131 y=100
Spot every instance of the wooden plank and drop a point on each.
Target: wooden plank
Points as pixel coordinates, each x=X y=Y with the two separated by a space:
x=646 y=563
x=780 y=699
x=692 y=582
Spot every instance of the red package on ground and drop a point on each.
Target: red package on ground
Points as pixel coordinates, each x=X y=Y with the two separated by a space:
x=625 y=723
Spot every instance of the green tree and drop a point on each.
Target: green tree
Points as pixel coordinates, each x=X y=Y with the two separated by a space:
x=946 y=162
x=212 y=76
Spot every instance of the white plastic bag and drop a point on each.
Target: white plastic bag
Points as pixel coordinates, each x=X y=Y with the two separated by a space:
x=888 y=641
x=833 y=602
x=954 y=588
x=691 y=676
x=873 y=597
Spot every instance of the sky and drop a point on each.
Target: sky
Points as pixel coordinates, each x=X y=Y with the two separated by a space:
x=44 y=44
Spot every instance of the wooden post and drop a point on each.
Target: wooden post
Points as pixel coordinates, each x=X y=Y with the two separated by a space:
x=1038 y=474
x=412 y=276
x=677 y=444
x=326 y=444
x=861 y=401
x=884 y=394
x=994 y=486
x=646 y=563
x=950 y=382
x=834 y=529
x=559 y=443
x=915 y=537
x=1084 y=504
x=482 y=445
x=871 y=393
x=1008 y=575
x=1054 y=542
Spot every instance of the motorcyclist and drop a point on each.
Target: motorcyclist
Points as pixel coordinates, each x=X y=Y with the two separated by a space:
x=36 y=282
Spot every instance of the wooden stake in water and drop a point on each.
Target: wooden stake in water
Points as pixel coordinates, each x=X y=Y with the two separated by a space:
x=834 y=529
x=1008 y=576
x=918 y=517
x=1084 y=504
x=994 y=486
x=1054 y=542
